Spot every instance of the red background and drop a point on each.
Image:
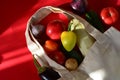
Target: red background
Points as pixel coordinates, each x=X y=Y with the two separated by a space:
x=16 y=61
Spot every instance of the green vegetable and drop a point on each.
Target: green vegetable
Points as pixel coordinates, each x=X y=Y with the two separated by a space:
x=93 y=18
x=76 y=55
x=84 y=39
x=75 y=24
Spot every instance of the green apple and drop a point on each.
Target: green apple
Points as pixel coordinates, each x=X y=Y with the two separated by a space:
x=68 y=39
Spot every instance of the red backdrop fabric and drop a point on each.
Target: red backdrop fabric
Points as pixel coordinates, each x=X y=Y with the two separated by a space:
x=16 y=62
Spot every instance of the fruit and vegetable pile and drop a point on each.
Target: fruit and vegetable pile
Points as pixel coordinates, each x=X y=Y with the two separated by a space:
x=60 y=42
x=65 y=40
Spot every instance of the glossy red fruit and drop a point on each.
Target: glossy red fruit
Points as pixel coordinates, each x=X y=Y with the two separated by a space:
x=50 y=46
x=109 y=15
x=54 y=29
x=59 y=57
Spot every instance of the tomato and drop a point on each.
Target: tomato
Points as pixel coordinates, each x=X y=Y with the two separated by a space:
x=109 y=15
x=59 y=57
x=68 y=39
x=50 y=45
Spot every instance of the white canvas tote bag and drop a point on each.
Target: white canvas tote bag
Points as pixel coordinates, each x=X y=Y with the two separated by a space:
x=102 y=61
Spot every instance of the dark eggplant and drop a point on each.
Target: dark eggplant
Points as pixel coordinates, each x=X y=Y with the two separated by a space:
x=79 y=6
x=46 y=73
x=49 y=74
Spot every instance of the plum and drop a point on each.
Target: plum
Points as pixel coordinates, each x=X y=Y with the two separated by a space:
x=37 y=29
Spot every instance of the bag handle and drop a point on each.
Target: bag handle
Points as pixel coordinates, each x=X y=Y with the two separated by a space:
x=36 y=50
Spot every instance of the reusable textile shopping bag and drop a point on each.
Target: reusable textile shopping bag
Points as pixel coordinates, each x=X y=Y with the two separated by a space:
x=102 y=61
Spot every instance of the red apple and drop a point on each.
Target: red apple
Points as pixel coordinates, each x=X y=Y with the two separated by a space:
x=54 y=29
x=109 y=15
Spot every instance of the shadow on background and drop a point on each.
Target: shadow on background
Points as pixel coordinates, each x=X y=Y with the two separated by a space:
x=1 y=58
x=16 y=73
x=11 y=10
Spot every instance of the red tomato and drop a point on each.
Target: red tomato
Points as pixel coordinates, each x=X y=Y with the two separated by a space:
x=109 y=15
x=50 y=46
x=59 y=57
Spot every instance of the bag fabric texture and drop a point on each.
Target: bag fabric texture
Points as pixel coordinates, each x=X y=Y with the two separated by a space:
x=102 y=61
